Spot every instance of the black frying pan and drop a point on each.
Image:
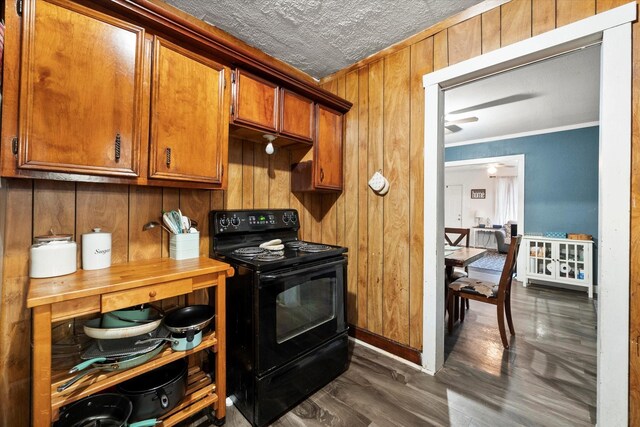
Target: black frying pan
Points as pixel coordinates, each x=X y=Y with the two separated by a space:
x=189 y=320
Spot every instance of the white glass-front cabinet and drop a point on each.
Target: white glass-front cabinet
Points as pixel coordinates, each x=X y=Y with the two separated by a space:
x=559 y=260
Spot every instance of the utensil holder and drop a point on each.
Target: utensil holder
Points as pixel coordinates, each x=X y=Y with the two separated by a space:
x=184 y=246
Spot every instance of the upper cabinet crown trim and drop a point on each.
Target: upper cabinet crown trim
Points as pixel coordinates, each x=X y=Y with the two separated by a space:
x=161 y=16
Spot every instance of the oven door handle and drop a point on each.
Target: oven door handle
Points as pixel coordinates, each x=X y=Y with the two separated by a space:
x=297 y=272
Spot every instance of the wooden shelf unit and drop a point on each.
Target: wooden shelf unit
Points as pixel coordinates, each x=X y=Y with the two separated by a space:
x=120 y=286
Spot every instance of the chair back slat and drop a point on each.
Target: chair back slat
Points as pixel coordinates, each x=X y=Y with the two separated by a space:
x=506 y=277
x=459 y=234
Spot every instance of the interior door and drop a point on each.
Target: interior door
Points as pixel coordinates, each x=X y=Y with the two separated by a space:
x=453 y=206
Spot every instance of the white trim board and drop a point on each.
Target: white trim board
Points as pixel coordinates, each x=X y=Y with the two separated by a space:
x=614 y=29
x=524 y=134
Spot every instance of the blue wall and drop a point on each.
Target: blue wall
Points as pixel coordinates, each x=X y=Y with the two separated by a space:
x=561 y=177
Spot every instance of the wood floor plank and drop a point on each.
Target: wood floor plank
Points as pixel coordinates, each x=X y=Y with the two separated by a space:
x=546 y=378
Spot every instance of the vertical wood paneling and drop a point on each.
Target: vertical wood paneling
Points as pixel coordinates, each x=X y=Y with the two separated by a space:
x=375 y=217
x=397 y=73
x=421 y=64
x=543 y=16
x=280 y=181
x=315 y=202
x=106 y=207
x=515 y=24
x=170 y=201
x=145 y=204
x=16 y=197
x=54 y=208
x=248 y=148
x=233 y=195
x=465 y=40
x=491 y=30
x=363 y=193
x=350 y=195
x=568 y=11
x=260 y=178
x=604 y=5
x=440 y=50
x=196 y=204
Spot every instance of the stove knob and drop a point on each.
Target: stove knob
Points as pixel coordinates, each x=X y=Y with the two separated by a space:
x=224 y=221
x=235 y=221
x=293 y=218
x=285 y=219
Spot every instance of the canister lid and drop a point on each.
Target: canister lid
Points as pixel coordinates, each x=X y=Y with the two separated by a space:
x=97 y=230
x=53 y=238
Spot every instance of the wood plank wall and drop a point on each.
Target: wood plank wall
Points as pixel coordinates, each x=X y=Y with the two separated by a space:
x=29 y=208
x=384 y=131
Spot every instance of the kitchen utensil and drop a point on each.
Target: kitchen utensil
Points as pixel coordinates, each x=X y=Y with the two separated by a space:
x=52 y=255
x=166 y=218
x=105 y=410
x=176 y=219
x=110 y=366
x=189 y=320
x=93 y=329
x=154 y=224
x=96 y=250
x=178 y=341
x=156 y=392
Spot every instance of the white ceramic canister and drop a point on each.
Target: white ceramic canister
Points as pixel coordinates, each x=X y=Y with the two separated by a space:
x=96 y=250
x=52 y=255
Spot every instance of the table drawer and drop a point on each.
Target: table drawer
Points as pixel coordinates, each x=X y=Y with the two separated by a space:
x=117 y=300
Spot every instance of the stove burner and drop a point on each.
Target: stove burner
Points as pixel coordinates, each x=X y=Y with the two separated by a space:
x=312 y=247
x=270 y=256
x=295 y=244
x=251 y=251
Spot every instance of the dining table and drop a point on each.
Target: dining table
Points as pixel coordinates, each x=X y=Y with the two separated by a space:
x=459 y=256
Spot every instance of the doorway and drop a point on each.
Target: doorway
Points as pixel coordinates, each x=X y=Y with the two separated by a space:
x=453 y=206
x=614 y=30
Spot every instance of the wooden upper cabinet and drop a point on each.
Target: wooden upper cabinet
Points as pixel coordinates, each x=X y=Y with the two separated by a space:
x=255 y=102
x=189 y=116
x=81 y=91
x=296 y=116
x=327 y=150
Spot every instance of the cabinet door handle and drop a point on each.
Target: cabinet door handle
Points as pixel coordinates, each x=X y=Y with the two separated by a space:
x=321 y=174
x=152 y=294
x=117 y=148
x=168 y=155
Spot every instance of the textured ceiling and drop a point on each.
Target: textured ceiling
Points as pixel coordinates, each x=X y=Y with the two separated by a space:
x=320 y=37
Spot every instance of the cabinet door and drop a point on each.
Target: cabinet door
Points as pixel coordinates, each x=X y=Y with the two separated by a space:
x=255 y=102
x=328 y=149
x=81 y=90
x=541 y=260
x=296 y=116
x=572 y=261
x=189 y=116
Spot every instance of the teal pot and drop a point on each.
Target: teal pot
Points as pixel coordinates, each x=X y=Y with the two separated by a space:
x=179 y=342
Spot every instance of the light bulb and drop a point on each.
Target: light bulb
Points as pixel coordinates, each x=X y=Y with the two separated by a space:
x=492 y=170
x=269 y=148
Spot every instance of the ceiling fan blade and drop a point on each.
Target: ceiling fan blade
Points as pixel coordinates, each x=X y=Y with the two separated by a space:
x=462 y=120
x=496 y=102
x=452 y=128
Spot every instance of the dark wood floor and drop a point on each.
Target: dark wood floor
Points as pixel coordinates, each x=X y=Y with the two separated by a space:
x=547 y=378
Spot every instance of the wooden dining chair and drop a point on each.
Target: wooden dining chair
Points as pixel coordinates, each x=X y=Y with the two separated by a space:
x=458 y=237
x=497 y=294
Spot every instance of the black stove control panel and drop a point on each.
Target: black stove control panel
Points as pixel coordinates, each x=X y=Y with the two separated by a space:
x=249 y=221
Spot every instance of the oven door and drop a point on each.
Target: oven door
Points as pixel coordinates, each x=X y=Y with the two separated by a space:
x=298 y=309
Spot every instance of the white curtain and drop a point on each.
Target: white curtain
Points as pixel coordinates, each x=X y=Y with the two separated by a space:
x=506 y=203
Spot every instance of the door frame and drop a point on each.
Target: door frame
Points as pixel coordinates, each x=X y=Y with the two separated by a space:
x=520 y=162
x=613 y=30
